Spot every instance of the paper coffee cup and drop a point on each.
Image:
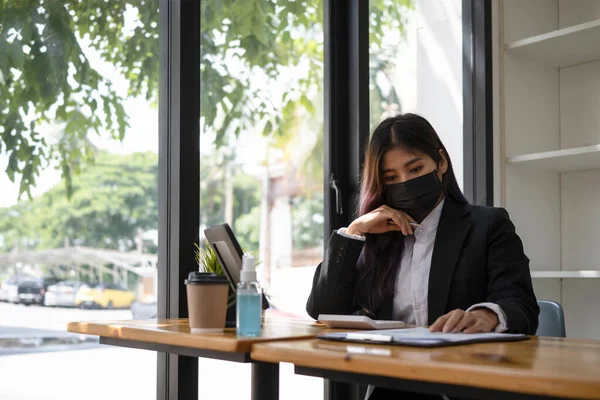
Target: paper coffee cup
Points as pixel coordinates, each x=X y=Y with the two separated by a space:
x=207 y=301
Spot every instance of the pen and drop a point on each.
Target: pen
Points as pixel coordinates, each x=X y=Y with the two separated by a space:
x=369 y=337
x=413 y=224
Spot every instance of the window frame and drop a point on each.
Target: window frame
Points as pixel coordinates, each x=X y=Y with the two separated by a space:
x=346 y=91
x=346 y=130
x=179 y=181
x=478 y=150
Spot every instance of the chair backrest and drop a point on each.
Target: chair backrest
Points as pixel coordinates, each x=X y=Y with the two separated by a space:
x=551 y=319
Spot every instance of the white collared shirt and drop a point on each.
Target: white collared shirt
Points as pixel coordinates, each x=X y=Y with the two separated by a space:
x=412 y=280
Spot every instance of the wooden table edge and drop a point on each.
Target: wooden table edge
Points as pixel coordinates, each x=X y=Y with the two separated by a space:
x=556 y=386
x=130 y=333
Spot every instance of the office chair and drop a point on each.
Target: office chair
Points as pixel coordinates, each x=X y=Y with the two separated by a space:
x=551 y=319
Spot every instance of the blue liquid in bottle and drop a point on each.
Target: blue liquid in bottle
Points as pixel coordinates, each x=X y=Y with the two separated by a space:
x=249 y=313
x=248 y=300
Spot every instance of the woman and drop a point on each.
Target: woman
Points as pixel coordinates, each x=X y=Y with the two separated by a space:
x=419 y=252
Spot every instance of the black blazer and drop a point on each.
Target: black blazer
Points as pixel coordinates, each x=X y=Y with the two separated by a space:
x=477 y=257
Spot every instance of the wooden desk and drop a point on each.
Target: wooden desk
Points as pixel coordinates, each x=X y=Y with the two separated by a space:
x=533 y=369
x=174 y=336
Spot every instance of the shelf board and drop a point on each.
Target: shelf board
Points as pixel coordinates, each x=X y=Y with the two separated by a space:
x=567 y=160
x=562 y=48
x=566 y=274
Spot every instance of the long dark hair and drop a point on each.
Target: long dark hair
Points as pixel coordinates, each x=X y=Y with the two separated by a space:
x=382 y=253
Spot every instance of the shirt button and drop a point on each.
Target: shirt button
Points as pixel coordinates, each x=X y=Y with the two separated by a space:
x=417 y=305
x=342 y=247
x=418 y=266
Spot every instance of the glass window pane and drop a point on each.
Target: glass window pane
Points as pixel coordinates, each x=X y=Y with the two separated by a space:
x=261 y=148
x=78 y=203
x=416 y=66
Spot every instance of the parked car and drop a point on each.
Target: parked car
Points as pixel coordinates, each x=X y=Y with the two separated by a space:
x=32 y=290
x=9 y=291
x=140 y=310
x=104 y=296
x=63 y=294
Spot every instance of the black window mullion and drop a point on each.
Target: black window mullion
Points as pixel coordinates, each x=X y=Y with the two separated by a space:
x=359 y=84
x=477 y=101
x=179 y=176
x=346 y=90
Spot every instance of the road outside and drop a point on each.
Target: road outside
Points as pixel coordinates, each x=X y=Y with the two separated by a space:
x=68 y=369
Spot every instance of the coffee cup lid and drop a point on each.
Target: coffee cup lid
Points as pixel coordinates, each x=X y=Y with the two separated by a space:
x=204 y=278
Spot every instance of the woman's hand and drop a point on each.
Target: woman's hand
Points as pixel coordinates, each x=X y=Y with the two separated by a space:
x=381 y=220
x=477 y=321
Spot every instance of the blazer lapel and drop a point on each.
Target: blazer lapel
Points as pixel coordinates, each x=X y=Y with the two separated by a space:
x=451 y=233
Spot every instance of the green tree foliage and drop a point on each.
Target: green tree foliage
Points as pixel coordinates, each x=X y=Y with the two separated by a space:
x=265 y=37
x=247 y=229
x=113 y=202
x=46 y=77
x=246 y=197
x=307 y=221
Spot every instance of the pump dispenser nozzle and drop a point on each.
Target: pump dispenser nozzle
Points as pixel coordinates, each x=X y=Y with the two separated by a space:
x=248 y=273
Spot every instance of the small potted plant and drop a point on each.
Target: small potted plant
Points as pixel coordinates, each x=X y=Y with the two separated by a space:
x=207 y=261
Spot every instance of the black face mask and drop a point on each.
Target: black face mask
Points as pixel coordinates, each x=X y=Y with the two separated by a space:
x=416 y=197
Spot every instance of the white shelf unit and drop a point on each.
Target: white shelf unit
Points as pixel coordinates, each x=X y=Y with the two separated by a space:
x=567 y=160
x=561 y=48
x=566 y=274
x=547 y=136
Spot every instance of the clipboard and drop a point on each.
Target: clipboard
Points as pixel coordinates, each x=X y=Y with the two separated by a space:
x=420 y=337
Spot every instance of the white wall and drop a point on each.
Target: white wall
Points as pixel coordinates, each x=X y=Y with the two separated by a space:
x=543 y=109
x=579 y=105
x=573 y=12
x=580 y=203
x=533 y=202
x=427 y=72
x=532 y=106
x=531 y=124
x=439 y=73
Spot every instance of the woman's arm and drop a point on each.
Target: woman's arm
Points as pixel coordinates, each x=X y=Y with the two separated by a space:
x=335 y=278
x=509 y=279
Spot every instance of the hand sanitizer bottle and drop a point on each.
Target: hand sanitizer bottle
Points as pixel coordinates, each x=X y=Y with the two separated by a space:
x=249 y=300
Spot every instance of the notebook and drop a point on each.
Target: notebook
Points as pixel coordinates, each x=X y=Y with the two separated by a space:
x=420 y=337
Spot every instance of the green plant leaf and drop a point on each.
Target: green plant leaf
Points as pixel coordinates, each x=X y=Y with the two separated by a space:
x=260 y=34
